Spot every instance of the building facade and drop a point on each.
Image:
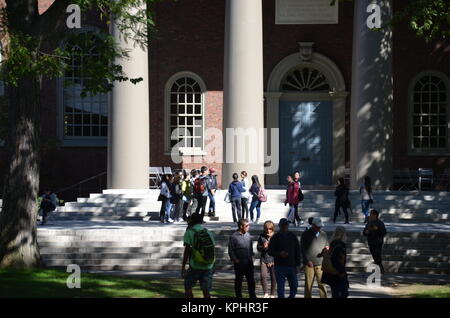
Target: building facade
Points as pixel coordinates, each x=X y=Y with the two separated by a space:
x=338 y=96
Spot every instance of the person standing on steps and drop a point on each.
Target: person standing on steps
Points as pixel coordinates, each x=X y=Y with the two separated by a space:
x=186 y=190
x=285 y=249
x=267 y=261
x=201 y=191
x=333 y=265
x=256 y=202
x=240 y=250
x=342 y=200
x=375 y=231
x=313 y=242
x=292 y=198
x=199 y=251
x=176 y=197
x=365 y=191
x=245 y=195
x=164 y=197
x=235 y=190
x=212 y=187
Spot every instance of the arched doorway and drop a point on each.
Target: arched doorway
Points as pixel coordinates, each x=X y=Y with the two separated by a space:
x=306 y=100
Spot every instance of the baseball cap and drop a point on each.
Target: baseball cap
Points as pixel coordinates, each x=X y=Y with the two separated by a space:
x=317 y=222
x=283 y=221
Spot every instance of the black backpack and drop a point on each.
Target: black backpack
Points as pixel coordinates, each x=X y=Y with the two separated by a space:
x=203 y=249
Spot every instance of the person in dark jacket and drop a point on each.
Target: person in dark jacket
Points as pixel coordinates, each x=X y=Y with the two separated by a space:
x=235 y=190
x=176 y=198
x=313 y=242
x=267 y=261
x=375 y=231
x=212 y=188
x=338 y=281
x=256 y=202
x=240 y=250
x=285 y=249
x=342 y=200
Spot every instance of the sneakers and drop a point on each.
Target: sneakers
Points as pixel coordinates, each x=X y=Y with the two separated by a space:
x=266 y=296
x=257 y=221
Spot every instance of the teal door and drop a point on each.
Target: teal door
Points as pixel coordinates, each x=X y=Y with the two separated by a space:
x=306 y=141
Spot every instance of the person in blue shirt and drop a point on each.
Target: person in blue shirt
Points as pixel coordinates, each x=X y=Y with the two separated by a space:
x=235 y=190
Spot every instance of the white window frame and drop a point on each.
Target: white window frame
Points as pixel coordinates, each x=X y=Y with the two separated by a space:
x=188 y=151
x=431 y=151
x=77 y=141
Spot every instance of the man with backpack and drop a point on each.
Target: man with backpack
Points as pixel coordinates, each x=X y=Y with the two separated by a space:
x=240 y=250
x=199 y=251
x=201 y=191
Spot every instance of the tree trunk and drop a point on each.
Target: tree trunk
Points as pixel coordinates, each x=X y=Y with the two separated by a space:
x=18 y=233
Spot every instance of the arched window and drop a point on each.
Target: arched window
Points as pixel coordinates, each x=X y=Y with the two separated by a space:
x=185 y=113
x=305 y=79
x=429 y=98
x=84 y=119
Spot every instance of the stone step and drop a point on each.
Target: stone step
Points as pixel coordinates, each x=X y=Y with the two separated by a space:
x=172 y=267
x=223 y=255
x=223 y=264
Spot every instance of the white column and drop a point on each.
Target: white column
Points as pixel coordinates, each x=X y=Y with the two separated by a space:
x=372 y=96
x=128 y=136
x=243 y=89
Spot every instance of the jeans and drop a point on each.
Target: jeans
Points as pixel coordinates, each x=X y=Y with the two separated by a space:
x=177 y=207
x=244 y=204
x=293 y=213
x=255 y=204
x=167 y=210
x=212 y=202
x=236 y=209
x=240 y=271
x=290 y=273
x=365 y=205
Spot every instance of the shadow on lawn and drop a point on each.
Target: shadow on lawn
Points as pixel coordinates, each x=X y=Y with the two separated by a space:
x=52 y=284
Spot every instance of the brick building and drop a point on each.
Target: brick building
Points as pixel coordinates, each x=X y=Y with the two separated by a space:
x=306 y=73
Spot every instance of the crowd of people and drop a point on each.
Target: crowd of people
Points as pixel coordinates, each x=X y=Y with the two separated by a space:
x=282 y=255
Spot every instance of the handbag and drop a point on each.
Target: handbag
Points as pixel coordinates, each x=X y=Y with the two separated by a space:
x=301 y=196
x=327 y=266
x=160 y=197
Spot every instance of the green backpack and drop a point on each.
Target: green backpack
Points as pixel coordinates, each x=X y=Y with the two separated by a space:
x=203 y=249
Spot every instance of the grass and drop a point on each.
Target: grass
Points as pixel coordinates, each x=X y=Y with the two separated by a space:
x=48 y=283
x=425 y=291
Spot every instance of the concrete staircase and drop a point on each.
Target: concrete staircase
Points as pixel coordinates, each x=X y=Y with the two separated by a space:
x=154 y=248
x=399 y=207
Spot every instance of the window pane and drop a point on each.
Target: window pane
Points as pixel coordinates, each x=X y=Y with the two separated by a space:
x=95 y=131
x=182 y=110
x=198 y=98
x=104 y=131
x=442 y=143
x=190 y=109
x=173 y=109
x=198 y=109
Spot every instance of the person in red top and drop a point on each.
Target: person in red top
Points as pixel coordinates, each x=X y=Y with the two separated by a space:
x=292 y=198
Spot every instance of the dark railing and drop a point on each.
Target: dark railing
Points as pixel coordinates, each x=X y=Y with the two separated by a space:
x=79 y=185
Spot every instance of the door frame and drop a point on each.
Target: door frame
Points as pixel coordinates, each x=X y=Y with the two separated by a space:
x=337 y=96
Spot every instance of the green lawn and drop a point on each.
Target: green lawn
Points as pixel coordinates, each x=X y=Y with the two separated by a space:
x=433 y=292
x=52 y=283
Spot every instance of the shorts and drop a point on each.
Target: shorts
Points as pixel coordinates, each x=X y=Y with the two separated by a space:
x=203 y=276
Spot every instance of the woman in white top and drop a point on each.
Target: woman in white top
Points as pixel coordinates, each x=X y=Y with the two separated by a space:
x=365 y=190
x=245 y=195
